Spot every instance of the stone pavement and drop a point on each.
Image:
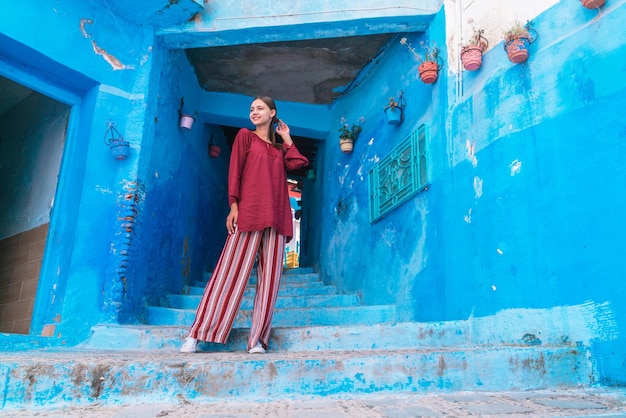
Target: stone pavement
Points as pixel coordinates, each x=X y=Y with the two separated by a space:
x=585 y=402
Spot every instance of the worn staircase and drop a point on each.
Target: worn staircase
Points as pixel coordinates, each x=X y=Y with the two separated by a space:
x=323 y=344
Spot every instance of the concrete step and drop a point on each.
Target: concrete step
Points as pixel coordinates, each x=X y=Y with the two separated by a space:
x=289 y=276
x=69 y=376
x=291 y=317
x=286 y=290
x=313 y=301
x=399 y=336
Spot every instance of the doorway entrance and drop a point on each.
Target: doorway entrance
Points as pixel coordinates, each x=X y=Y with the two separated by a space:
x=33 y=128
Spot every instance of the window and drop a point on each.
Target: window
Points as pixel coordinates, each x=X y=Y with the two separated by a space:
x=398 y=176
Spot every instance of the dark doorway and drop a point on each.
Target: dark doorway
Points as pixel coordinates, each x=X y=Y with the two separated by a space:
x=33 y=129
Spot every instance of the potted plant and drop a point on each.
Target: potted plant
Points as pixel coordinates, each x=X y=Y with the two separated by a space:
x=186 y=120
x=593 y=4
x=472 y=52
x=394 y=111
x=430 y=61
x=117 y=144
x=517 y=39
x=214 y=150
x=348 y=134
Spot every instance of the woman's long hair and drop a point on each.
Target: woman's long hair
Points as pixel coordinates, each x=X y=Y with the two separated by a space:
x=272 y=105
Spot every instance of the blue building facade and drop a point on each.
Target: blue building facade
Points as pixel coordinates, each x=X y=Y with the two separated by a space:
x=520 y=223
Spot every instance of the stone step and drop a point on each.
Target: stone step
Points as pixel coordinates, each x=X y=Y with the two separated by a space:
x=292 y=317
x=286 y=290
x=298 y=275
x=69 y=376
x=408 y=335
x=403 y=335
x=313 y=301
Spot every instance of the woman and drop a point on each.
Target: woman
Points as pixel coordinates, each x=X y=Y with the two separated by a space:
x=259 y=222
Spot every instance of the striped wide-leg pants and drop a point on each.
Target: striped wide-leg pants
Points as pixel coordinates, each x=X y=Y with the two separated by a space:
x=222 y=297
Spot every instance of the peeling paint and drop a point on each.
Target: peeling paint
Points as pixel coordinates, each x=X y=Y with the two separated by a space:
x=516 y=167
x=471 y=152
x=84 y=22
x=478 y=187
x=468 y=217
x=115 y=91
x=103 y=189
x=388 y=237
x=114 y=62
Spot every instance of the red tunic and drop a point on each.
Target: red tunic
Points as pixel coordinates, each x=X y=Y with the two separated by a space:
x=257 y=180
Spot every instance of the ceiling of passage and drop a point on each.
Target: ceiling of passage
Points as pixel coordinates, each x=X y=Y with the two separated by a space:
x=310 y=71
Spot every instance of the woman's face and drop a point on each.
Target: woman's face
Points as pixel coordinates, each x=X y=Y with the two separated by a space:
x=260 y=113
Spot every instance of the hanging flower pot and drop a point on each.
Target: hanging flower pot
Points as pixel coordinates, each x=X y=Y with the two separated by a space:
x=186 y=121
x=348 y=134
x=471 y=57
x=394 y=111
x=517 y=50
x=593 y=4
x=346 y=145
x=429 y=71
x=472 y=53
x=214 y=151
x=517 y=40
x=430 y=61
x=394 y=115
x=119 y=147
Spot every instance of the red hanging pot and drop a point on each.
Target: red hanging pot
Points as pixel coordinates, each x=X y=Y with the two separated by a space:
x=593 y=4
x=472 y=57
x=429 y=71
x=517 y=50
x=214 y=151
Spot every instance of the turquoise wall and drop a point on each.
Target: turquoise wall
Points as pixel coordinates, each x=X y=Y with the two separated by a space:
x=533 y=208
x=182 y=198
x=386 y=261
x=524 y=204
x=123 y=233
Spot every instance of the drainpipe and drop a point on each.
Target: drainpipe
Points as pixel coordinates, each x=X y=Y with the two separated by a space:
x=459 y=66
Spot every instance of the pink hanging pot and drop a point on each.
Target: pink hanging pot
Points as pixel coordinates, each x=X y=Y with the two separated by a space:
x=186 y=121
x=593 y=4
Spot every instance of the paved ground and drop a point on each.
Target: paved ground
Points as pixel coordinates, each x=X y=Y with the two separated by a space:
x=588 y=402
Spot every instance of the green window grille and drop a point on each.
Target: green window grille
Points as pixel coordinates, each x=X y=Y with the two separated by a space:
x=399 y=175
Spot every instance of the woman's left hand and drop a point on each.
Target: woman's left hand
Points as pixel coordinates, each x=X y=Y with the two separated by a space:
x=282 y=129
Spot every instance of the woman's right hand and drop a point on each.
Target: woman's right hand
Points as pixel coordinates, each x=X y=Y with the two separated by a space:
x=231 y=219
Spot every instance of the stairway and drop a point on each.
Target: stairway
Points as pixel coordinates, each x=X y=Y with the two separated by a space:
x=303 y=301
x=323 y=344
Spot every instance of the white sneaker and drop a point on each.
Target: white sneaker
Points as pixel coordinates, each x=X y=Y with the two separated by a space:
x=257 y=349
x=190 y=345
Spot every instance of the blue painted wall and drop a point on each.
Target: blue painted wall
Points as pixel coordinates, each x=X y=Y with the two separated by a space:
x=533 y=212
x=181 y=196
x=386 y=261
x=523 y=208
